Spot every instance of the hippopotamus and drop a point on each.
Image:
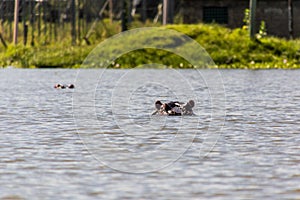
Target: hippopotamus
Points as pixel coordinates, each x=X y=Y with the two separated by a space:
x=174 y=108
x=60 y=86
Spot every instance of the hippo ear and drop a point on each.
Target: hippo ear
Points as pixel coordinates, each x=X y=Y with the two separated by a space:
x=158 y=105
x=191 y=103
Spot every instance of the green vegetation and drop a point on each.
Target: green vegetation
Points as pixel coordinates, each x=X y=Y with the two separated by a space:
x=228 y=48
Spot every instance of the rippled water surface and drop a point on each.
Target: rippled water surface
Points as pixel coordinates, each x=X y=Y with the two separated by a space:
x=99 y=141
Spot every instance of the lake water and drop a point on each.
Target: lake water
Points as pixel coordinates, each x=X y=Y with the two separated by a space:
x=99 y=141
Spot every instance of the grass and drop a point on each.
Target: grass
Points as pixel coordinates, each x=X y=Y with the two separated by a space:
x=234 y=49
x=228 y=48
x=44 y=56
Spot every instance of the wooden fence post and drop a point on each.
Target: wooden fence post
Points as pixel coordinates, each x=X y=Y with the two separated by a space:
x=165 y=12
x=144 y=10
x=168 y=11
x=16 y=21
x=111 y=10
x=73 y=22
x=32 y=21
x=252 y=18
x=290 y=18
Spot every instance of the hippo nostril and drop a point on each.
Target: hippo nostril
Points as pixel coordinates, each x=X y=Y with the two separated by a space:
x=71 y=86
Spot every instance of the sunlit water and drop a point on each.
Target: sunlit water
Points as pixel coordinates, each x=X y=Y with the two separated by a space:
x=97 y=142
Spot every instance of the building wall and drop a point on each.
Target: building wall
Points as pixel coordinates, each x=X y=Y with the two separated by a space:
x=275 y=15
x=296 y=13
x=193 y=10
x=273 y=12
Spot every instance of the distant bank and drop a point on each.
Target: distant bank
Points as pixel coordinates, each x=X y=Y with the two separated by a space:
x=231 y=49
